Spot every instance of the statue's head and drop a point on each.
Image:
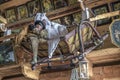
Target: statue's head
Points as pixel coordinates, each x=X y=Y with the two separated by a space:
x=41 y=17
x=40 y=22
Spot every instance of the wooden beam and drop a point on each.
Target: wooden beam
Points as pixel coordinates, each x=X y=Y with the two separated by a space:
x=3 y=20
x=104 y=55
x=7 y=37
x=105 y=15
x=9 y=67
x=95 y=3
x=12 y=3
x=14 y=77
x=107 y=63
x=58 y=68
x=10 y=71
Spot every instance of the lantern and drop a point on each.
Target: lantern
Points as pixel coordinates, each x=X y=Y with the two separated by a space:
x=83 y=66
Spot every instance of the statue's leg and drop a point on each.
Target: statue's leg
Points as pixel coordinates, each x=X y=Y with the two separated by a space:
x=35 y=43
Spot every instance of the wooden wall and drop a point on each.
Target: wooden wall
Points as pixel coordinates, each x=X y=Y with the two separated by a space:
x=111 y=72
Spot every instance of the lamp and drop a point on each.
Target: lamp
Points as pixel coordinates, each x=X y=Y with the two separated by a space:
x=83 y=66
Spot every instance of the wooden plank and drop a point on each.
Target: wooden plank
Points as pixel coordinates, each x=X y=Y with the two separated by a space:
x=12 y=3
x=9 y=67
x=95 y=3
x=105 y=15
x=104 y=55
x=7 y=37
x=3 y=20
x=57 y=68
x=11 y=71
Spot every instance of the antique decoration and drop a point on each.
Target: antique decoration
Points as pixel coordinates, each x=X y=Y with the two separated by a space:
x=115 y=32
x=11 y=15
x=100 y=10
x=54 y=34
x=47 y=5
x=22 y=12
x=83 y=66
x=60 y=3
x=115 y=7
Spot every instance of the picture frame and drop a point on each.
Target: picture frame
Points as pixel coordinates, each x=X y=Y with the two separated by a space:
x=33 y=7
x=11 y=15
x=47 y=5
x=101 y=10
x=116 y=6
x=71 y=2
x=22 y=12
x=77 y=17
x=60 y=3
x=67 y=20
x=7 y=54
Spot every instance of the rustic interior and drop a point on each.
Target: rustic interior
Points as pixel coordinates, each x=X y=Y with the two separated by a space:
x=104 y=62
